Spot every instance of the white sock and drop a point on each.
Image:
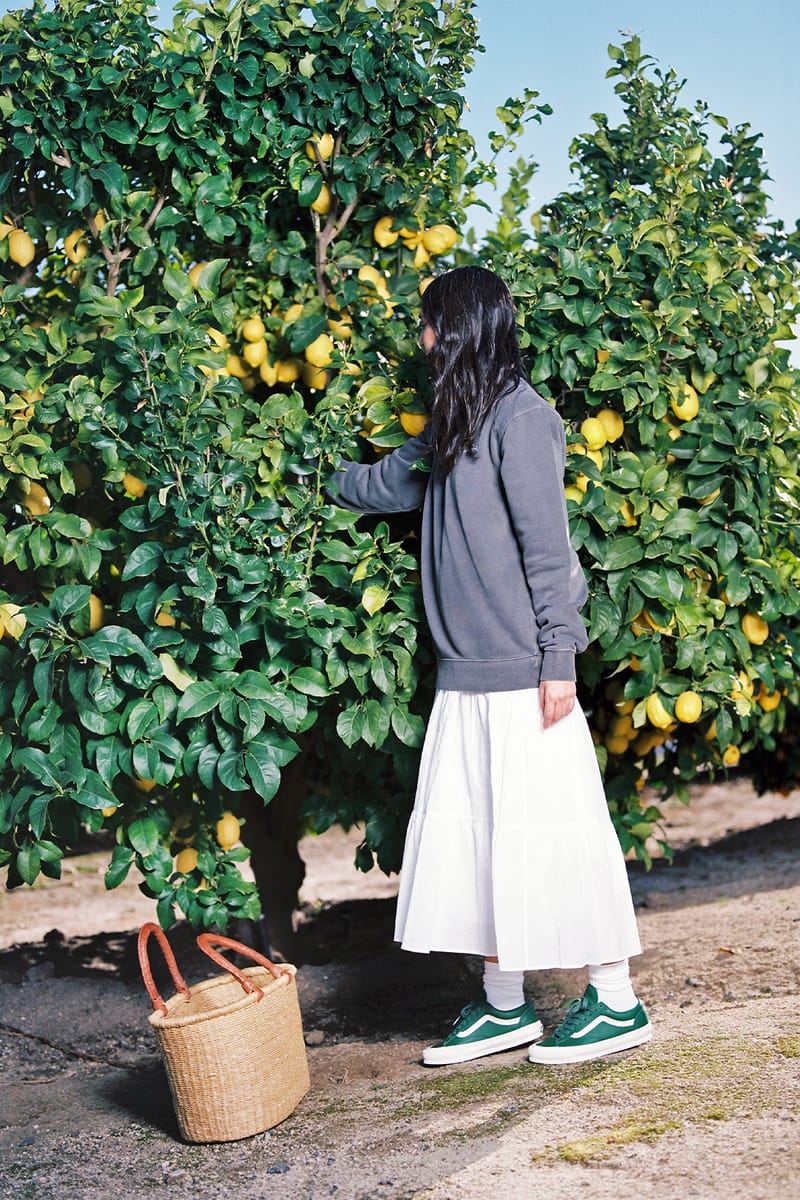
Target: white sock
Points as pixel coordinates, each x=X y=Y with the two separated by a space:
x=613 y=984
x=503 y=988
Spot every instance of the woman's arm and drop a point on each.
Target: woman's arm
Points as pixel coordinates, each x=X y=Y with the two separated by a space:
x=390 y=485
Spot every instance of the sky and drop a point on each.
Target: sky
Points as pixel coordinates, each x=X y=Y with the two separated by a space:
x=740 y=56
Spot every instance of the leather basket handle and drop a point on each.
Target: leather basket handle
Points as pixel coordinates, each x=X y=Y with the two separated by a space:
x=150 y=928
x=207 y=941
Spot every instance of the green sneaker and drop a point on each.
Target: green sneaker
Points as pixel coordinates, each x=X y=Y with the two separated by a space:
x=592 y=1030
x=480 y=1029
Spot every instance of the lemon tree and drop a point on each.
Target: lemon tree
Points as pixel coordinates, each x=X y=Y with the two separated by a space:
x=656 y=300
x=214 y=239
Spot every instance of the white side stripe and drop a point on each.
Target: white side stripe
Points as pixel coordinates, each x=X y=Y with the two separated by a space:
x=482 y=1021
x=581 y=1033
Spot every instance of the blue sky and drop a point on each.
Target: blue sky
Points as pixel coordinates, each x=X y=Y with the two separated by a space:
x=738 y=55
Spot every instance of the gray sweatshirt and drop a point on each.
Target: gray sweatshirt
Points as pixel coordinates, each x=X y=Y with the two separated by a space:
x=501 y=584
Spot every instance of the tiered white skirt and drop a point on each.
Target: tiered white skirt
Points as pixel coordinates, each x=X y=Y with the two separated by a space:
x=510 y=851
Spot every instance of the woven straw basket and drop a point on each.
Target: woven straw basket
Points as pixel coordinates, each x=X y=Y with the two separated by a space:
x=233 y=1045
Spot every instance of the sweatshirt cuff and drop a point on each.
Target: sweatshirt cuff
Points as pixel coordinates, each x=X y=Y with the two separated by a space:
x=558 y=664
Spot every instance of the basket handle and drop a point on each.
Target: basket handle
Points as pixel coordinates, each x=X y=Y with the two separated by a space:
x=206 y=942
x=144 y=962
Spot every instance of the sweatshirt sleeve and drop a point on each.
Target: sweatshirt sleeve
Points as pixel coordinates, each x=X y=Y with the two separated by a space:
x=533 y=455
x=390 y=485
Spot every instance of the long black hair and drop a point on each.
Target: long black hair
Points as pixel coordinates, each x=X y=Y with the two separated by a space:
x=476 y=356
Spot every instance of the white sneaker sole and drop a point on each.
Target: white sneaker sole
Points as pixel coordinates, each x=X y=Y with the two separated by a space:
x=440 y=1056
x=574 y=1054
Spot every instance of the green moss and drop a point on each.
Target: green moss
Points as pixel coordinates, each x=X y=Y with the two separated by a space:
x=605 y=1144
x=789 y=1046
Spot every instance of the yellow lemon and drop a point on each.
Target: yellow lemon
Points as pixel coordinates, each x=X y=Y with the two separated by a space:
x=75 y=246
x=97 y=613
x=269 y=373
x=755 y=629
x=109 y=812
x=186 y=861
x=413 y=423
x=165 y=619
x=314 y=377
x=143 y=785
x=370 y=274
x=235 y=366
x=227 y=831
x=685 y=405
x=595 y=455
x=688 y=707
x=255 y=353
x=613 y=424
x=768 y=700
x=320 y=352
x=622 y=726
x=323 y=145
x=656 y=712
x=322 y=204
x=627 y=514
x=36 y=502
x=253 y=329
x=439 y=239
x=289 y=369
x=133 y=485
x=574 y=493
x=217 y=336
x=383 y=233
x=616 y=745
x=342 y=328
x=593 y=433
x=293 y=313
x=603 y=356
x=21 y=247
x=731 y=756
x=742 y=686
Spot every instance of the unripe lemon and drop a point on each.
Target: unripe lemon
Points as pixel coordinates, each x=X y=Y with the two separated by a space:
x=97 y=613
x=227 y=831
x=21 y=247
x=593 y=433
x=75 y=246
x=439 y=239
x=320 y=352
x=253 y=329
x=255 y=353
x=133 y=485
x=383 y=233
x=731 y=756
x=755 y=629
x=686 y=406
x=186 y=861
x=613 y=424
x=656 y=713
x=324 y=144
x=688 y=707
x=36 y=502
x=322 y=204
x=413 y=423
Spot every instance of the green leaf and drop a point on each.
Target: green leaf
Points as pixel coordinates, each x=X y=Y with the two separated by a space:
x=198 y=699
x=262 y=771
x=310 y=682
x=374 y=599
x=143 y=835
x=143 y=560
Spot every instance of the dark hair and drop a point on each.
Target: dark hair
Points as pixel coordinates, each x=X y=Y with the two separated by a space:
x=475 y=359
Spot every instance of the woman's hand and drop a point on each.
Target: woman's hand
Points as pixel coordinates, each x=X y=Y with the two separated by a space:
x=557 y=700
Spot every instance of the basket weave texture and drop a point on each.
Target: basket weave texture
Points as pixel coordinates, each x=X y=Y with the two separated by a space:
x=235 y=1060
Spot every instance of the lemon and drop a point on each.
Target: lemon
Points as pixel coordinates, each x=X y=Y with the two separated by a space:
x=686 y=406
x=627 y=514
x=768 y=700
x=109 y=812
x=288 y=370
x=133 y=485
x=383 y=232
x=613 y=424
x=97 y=613
x=688 y=707
x=593 y=433
x=227 y=831
x=424 y=284
x=322 y=204
x=75 y=246
x=731 y=756
x=755 y=629
x=253 y=329
x=314 y=377
x=656 y=712
x=574 y=493
x=603 y=356
x=439 y=239
x=268 y=373
x=217 y=336
x=21 y=247
x=320 y=352
x=255 y=353
x=622 y=726
x=164 y=618
x=293 y=313
x=323 y=145
x=653 y=625
x=616 y=745
x=342 y=328
x=370 y=274
x=236 y=367
x=742 y=686
x=82 y=477
x=36 y=502
x=143 y=785
x=194 y=274
x=413 y=423
x=186 y=861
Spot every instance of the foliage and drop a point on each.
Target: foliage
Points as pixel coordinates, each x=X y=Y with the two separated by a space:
x=653 y=287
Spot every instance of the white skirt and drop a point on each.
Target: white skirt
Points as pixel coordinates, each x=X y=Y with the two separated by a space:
x=510 y=851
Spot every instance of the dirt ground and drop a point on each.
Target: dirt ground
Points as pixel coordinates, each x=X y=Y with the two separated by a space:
x=709 y=1109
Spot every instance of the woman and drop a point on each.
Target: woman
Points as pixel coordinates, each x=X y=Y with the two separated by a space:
x=510 y=852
